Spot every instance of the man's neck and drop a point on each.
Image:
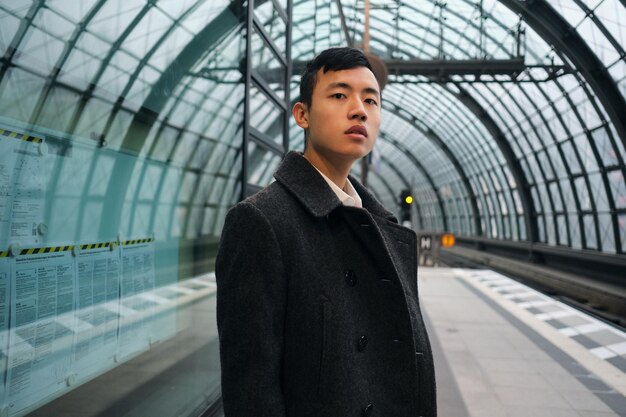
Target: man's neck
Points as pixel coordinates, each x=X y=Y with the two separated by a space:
x=337 y=171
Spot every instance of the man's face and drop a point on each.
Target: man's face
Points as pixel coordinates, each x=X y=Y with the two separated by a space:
x=344 y=117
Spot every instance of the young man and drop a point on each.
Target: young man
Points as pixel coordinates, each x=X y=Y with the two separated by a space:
x=317 y=305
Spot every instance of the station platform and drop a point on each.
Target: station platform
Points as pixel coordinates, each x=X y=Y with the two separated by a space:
x=503 y=349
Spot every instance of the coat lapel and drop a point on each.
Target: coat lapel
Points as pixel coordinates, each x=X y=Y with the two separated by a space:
x=303 y=181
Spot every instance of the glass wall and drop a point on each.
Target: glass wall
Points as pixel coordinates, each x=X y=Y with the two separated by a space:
x=121 y=127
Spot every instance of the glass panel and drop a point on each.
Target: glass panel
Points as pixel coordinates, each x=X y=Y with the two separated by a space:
x=562 y=229
x=273 y=24
x=585 y=151
x=550 y=230
x=599 y=192
x=583 y=193
x=618 y=188
x=261 y=165
x=597 y=41
x=268 y=66
x=541 y=224
x=574 y=228
x=571 y=158
x=556 y=196
x=607 y=235
x=113 y=210
x=590 y=232
x=265 y=116
x=608 y=154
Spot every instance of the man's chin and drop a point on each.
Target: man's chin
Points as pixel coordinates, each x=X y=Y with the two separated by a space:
x=347 y=154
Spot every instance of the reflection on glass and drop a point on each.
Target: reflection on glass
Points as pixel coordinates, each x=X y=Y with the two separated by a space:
x=120 y=129
x=261 y=165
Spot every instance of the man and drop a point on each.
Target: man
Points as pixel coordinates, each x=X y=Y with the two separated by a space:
x=317 y=306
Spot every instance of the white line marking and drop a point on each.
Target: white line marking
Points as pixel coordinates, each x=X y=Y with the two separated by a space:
x=537 y=303
x=619 y=348
x=583 y=329
x=519 y=295
x=181 y=290
x=557 y=314
x=126 y=311
x=603 y=353
x=202 y=282
x=509 y=288
x=155 y=298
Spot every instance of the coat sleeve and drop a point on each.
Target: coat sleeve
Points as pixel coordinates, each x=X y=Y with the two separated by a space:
x=251 y=299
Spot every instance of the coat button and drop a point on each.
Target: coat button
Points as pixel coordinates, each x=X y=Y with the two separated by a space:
x=350 y=277
x=367 y=411
x=360 y=346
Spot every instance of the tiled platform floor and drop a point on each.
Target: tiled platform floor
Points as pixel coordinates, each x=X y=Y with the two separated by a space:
x=503 y=350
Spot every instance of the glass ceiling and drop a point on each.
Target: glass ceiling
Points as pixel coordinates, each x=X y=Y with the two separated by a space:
x=536 y=155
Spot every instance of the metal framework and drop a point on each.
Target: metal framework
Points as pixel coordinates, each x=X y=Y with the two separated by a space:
x=509 y=155
x=555 y=113
x=552 y=27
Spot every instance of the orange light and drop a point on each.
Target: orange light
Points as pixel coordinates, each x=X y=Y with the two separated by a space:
x=447 y=240
x=408 y=199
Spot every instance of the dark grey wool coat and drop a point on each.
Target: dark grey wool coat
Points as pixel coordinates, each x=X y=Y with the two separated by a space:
x=317 y=306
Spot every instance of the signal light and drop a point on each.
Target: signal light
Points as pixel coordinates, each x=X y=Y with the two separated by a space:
x=447 y=240
x=408 y=199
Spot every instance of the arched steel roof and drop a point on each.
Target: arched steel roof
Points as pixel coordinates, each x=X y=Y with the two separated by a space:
x=533 y=156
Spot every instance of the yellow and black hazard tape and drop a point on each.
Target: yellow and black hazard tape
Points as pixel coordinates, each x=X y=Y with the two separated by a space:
x=20 y=136
x=89 y=246
x=137 y=241
x=50 y=249
x=4 y=253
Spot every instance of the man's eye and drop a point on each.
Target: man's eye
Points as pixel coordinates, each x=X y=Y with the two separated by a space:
x=370 y=101
x=338 y=95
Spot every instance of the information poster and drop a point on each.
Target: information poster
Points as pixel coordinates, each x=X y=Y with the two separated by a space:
x=136 y=312
x=7 y=169
x=97 y=308
x=5 y=280
x=22 y=188
x=41 y=325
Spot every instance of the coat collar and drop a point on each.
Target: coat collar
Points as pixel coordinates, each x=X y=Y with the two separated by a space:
x=301 y=179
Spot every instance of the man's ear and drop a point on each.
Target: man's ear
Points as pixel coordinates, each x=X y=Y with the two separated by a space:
x=301 y=114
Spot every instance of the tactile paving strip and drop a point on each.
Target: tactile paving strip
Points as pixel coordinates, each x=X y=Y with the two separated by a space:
x=603 y=340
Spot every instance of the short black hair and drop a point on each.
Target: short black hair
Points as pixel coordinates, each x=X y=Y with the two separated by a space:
x=332 y=59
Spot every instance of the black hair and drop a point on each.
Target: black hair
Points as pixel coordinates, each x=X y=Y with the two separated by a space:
x=332 y=59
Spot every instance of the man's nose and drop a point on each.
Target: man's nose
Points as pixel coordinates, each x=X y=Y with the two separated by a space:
x=357 y=110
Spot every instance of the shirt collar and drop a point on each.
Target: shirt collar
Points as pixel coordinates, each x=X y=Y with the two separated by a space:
x=349 y=197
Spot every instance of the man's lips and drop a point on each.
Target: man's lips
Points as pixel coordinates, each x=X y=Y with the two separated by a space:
x=358 y=129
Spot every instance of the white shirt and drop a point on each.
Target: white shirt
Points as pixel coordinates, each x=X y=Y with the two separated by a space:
x=348 y=196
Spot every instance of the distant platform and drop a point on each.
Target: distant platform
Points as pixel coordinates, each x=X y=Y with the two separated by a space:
x=503 y=349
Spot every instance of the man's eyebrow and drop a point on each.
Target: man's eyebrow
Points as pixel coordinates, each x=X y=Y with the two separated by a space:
x=347 y=86
x=372 y=90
